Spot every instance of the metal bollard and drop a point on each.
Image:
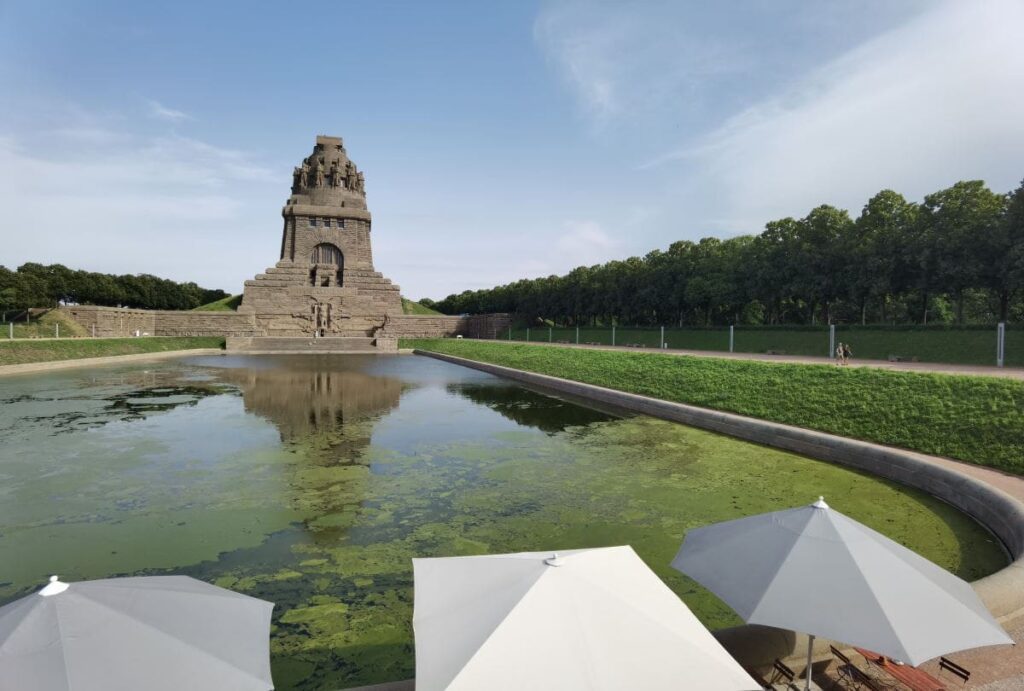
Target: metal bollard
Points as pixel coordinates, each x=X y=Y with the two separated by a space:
x=1000 y=344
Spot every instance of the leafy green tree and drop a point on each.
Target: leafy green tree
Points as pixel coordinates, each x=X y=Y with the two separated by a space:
x=880 y=260
x=1004 y=273
x=962 y=227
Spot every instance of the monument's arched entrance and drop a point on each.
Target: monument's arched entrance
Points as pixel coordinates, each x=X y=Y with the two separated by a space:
x=328 y=266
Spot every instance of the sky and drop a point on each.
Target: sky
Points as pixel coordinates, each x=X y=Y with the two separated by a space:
x=499 y=140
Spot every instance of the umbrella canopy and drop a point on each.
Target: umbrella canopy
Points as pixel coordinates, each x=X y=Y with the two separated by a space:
x=580 y=620
x=814 y=570
x=157 y=633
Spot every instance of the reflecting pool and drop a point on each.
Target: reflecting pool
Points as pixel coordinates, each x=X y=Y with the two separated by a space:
x=312 y=481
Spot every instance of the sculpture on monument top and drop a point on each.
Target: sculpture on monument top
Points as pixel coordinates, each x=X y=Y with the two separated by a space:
x=319 y=173
x=302 y=175
x=350 y=175
x=360 y=183
x=336 y=178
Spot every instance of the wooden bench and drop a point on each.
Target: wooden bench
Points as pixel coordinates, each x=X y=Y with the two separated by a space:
x=913 y=678
x=903 y=358
x=781 y=673
x=947 y=665
x=851 y=674
x=775 y=352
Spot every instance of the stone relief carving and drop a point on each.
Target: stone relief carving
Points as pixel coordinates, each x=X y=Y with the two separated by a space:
x=317 y=171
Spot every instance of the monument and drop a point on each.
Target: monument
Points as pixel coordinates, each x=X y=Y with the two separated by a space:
x=323 y=295
x=324 y=284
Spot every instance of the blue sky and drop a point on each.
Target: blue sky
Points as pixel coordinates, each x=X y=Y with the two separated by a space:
x=499 y=140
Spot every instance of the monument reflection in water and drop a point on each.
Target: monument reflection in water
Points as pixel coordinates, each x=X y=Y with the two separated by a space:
x=313 y=481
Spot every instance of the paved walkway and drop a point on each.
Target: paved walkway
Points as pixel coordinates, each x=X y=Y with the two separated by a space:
x=999 y=668
x=975 y=370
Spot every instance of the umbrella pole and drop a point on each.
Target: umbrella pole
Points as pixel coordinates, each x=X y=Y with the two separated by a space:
x=810 y=644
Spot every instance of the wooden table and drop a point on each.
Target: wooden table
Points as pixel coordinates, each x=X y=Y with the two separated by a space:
x=911 y=677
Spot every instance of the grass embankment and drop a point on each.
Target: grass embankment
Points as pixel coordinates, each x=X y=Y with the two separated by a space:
x=964 y=346
x=228 y=304
x=975 y=419
x=44 y=326
x=18 y=352
x=411 y=307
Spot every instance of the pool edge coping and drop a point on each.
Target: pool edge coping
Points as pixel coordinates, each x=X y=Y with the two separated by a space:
x=54 y=365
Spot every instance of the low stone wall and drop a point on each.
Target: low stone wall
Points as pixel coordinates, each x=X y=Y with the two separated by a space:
x=204 y=324
x=445 y=326
x=759 y=646
x=112 y=322
x=120 y=322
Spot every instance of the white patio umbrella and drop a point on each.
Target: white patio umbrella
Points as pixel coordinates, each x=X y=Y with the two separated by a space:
x=814 y=570
x=160 y=633
x=590 y=619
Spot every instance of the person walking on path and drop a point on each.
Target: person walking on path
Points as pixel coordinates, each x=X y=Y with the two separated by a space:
x=840 y=354
x=847 y=353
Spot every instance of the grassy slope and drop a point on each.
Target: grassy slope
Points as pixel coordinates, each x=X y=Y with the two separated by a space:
x=975 y=419
x=410 y=307
x=961 y=346
x=17 y=352
x=44 y=326
x=228 y=304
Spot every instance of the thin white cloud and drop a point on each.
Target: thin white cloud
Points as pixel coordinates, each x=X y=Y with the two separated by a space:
x=162 y=112
x=129 y=202
x=585 y=243
x=937 y=100
x=626 y=61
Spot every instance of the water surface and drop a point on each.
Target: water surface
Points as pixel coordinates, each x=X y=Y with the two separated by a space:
x=312 y=482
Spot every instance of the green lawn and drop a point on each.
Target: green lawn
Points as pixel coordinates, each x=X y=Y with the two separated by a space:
x=411 y=307
x=17 y=352
x=967 y=346
x=228 y=304
x=975 y=419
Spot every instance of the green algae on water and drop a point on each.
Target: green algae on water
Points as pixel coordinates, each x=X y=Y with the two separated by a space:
x=314 y=482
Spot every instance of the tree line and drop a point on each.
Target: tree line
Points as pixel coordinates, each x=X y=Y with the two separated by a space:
x=39 y=285
x=957 y=257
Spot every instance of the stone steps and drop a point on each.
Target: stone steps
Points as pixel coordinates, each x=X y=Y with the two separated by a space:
x=304 y=344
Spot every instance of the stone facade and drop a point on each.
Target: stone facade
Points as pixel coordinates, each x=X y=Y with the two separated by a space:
x=324 y=283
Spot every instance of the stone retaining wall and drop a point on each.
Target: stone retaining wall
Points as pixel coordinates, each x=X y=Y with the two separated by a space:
x=120 y=322
x=759 y=646
x=445 y=326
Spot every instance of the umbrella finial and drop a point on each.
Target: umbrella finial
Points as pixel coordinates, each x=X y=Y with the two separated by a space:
x=820 y=504
x=554 y=560
x=54 y=587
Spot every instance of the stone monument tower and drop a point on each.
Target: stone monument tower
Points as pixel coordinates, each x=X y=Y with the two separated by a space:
x=324 y=284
